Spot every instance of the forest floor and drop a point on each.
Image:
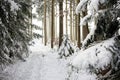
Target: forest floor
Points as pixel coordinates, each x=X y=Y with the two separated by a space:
x=42 y=64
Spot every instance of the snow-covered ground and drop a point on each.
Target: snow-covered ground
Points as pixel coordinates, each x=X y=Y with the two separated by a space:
x=42 y=64
x=45 y=64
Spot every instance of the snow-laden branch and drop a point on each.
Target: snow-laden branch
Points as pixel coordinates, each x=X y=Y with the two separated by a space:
x=100 y=57
x=81 y=6
x=13 y=5
x=93 y=13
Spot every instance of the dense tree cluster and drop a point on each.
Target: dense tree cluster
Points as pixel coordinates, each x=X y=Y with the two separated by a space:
x=14 y=26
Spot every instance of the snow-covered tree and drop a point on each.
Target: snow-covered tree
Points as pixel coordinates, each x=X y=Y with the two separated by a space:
x=99 y=56
x=66 y=49
x=96 y=11
x=14 y=23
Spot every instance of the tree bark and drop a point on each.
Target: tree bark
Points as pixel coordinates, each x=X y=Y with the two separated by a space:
x=85 y=28
x=42 y=30
x=66 y=19
x=52 y=23
x=60 y=21
x=73 y=24
x=45 y=32
x=78 y=25
x=71 y=20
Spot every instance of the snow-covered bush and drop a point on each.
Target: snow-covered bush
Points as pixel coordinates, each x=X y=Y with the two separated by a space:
x=101 y=61
x=66 y=49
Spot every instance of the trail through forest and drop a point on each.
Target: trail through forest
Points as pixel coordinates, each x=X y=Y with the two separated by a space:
x=41 y=65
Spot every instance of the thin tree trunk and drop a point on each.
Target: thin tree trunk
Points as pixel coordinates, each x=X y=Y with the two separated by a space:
x=49 y=28
x=78 y=25
x=45 y=32
x=66 y=19
x=42 y=29
x=71 y=19
x=73 y=23
x=60 y=21
x=52 y=23
x=85 y=28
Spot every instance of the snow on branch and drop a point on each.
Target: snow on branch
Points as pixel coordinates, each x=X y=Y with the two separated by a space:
x=13 y=5
x=81 y=6
x=66 y=49
x=98 y=58
x=93 y=16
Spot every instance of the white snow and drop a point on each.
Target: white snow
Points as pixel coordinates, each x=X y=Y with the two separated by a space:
x=42 y=64
x=96 y=56
x=83 y=75
x=14 y=6
x=81 y=6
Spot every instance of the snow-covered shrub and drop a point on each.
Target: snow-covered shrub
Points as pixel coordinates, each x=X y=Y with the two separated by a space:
x=66 y=49
x=101 y=61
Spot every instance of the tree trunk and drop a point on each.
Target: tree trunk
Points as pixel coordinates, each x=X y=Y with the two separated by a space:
x=66 y=19
x=42 y=30
x=78 y=25
x=73 y=24
x=60 y=21
x=52 y=23
x=45 y=32
x=85 y=28
x=70 y=19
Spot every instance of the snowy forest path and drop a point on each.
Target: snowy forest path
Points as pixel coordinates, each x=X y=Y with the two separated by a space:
x=39 y=66
x=29 y=70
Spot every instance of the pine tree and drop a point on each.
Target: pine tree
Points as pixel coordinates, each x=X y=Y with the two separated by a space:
x=14 y=22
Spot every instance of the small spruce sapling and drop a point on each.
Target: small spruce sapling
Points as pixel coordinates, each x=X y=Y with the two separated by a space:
x=66 y=49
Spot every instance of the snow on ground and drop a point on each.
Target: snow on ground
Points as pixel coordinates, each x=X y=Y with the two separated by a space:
x=42 y=64
x=92 y=60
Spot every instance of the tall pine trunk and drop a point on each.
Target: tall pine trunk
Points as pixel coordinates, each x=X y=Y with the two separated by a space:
x=71 y=19
x=60 y=21
x=66 y=19
x=52 y=23
x=73 y=23
x=45 y=30
x=78 y=25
